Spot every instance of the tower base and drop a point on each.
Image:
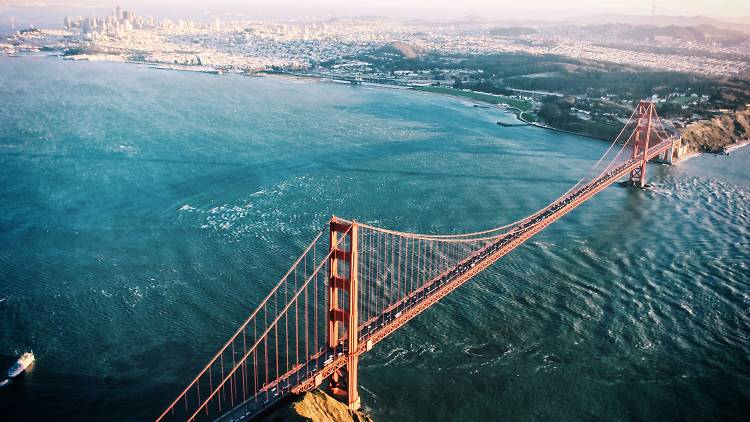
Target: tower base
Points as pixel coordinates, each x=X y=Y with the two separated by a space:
x=635 y=184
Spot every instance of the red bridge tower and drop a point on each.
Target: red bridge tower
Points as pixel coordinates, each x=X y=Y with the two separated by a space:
x=644 y=124
x=342 y=277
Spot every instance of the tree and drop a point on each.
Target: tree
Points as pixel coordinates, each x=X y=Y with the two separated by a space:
x=551 y=113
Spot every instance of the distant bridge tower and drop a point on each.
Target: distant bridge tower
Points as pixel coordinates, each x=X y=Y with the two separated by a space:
x=644 y=125
x=342 y=277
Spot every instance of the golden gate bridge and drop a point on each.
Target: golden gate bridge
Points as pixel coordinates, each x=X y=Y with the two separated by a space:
x=351 y=289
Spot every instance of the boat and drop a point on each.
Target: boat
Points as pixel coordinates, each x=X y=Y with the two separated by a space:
x=21 y=364
x=4 y=382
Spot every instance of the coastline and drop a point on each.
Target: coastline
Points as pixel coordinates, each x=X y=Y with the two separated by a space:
x=737 y=146
x=505 y=109
x=688 y=156
x=554 y=129
x=727 y=151
x=518 y=113
x=118 y=58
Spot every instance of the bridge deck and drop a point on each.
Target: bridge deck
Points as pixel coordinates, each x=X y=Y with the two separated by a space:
x=306 y=376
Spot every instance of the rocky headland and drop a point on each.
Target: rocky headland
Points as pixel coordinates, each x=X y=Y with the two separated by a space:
x=717 y=134
x=316 y=406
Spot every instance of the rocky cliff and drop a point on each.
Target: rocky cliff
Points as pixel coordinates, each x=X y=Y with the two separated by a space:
x=316 y=406
x=718 y=133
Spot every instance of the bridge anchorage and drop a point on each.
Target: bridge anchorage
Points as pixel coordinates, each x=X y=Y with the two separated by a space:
x=353 y=288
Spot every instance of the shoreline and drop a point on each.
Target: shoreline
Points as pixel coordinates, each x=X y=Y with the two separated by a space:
x=504 y=109
x=321 y=79
x=688 y=156
x=733 y=147
x=736 y=146
x=517 y=112
x=554 y=129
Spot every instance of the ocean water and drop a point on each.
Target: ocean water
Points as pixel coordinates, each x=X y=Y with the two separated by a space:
x=144 y=214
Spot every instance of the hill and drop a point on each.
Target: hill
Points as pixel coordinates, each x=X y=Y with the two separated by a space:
x=718 y=133
x=694 y=34
x=659 y=20
x=403 y=49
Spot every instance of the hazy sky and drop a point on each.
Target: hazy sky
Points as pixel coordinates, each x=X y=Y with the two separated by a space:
x=497 y=9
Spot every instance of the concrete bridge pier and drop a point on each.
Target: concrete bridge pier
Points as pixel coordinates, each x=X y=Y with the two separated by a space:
x=669 y=155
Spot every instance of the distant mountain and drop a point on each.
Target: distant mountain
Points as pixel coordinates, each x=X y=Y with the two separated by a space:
x=695 y=34
x=652 y=34
x=659 y=20
x=366 y=18
x=474 y=18
x=404 y=50
x=744 y=20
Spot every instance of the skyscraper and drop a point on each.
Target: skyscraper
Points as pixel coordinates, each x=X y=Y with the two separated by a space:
x=118 y=13
x=87 y=26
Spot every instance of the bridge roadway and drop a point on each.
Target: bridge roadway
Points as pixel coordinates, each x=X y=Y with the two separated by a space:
x=320 y=366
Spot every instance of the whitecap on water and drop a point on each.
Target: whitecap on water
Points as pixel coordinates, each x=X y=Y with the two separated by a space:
x=136 y=295
x=550 y=363
x=395 y=354
x=368 y=391
x=260 y=192
x=261 y=211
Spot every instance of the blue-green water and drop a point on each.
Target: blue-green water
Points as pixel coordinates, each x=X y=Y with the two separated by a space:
x=144 y=213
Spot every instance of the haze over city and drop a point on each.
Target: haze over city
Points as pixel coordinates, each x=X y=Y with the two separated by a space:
x=422 y=9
